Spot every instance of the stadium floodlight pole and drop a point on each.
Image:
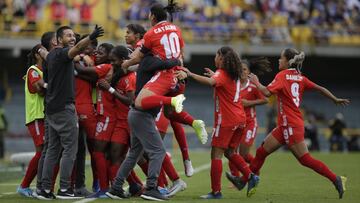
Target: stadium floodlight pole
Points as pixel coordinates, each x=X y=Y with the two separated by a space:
x=172 y=8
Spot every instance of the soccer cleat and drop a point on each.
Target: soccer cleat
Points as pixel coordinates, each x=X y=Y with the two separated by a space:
x=236 y=181
x=178 y=185
x=189 y=170
x=212 y=195
x=199 y=127
x=252 y=184
x=42 y=195
x=116 y=194
x=26 y=192
x=163 y=190
x=177 y=102
x=82 y=192
x=340 y=185
x=153 y=194
x=135 y=190
x=100 y=194
x=67 y=194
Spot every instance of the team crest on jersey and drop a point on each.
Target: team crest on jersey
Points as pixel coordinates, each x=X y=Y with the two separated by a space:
x=249 y=89
x=34 y=74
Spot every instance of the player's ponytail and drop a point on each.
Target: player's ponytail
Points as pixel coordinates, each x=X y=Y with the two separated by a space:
x=172 y=8
x=258 y=66
x=231 y=62
x=31 y=58
x=295 y=58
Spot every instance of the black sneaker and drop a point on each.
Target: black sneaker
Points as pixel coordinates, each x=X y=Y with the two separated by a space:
x=236 y=181
x=153 y=194
x=68 y=194
x=340 y=185
x=42 y=195
x=116 y=194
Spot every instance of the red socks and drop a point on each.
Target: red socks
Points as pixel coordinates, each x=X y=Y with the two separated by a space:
x=234 y=171
x=162 y=182
x=169 y=168
x=259 y=159
x=101 y=165
x=215 y=173
x=155 y=101
x=31 y=170
x=182 y=117
x=144 y=167
x=318 y=166
x=248 y=158
x=135 y=178
x=181 y=139
x=241 y=165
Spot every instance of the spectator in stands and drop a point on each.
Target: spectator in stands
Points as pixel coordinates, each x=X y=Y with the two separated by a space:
x=337 y=139
x=31 y=15
x=58 y=12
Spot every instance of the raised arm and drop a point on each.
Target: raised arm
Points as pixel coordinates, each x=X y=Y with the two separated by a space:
x=136 y=57
x=253 y=78
x=328 y=94
x=82 y=44
x=201 y=79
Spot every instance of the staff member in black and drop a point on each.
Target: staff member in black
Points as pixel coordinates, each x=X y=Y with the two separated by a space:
x=60 y=110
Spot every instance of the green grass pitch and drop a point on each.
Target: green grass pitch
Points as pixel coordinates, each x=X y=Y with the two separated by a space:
x=283 y=179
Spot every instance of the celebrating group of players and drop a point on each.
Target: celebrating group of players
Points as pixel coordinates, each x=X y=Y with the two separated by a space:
x=138 y=92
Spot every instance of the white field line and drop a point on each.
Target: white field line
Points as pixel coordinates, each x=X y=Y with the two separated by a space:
x=196 y=170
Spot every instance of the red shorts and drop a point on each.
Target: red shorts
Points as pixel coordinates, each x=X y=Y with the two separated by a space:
x=121 y=133
x=227 y=137
x=249 y=134
x=288 y=135
x=87 y=119
x=104 y=127
x=162 y=123
x=163 y=82
x=37 y=130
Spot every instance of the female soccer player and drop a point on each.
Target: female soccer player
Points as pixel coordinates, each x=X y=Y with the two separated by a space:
x=289 y=85
x=250 y=97
x=229 y=119
x=34 y=109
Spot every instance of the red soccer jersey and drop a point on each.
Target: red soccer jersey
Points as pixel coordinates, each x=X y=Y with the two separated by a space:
x=289 y=86
x=164 y=40
x=33 y=77
x=83 y=91
x=104 y=99
x=126 y=84
x=139 y=43
x=250 y=92
x=229 y=110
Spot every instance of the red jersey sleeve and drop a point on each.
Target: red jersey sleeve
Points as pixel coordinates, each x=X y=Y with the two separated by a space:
x=276 y=85
x=147 y=41
x=308 y=84
x=102 y=70
x=258 y=94
x=33 y=76
x=219 y=78
x=130 y=83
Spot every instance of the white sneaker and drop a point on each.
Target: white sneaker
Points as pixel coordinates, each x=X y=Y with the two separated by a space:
x=177 y=102
x=200 y=130
x=178 y=185
x=189 y=170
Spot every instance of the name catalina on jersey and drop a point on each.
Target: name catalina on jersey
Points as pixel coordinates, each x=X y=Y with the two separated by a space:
x=164 y=28
x=294 y=77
